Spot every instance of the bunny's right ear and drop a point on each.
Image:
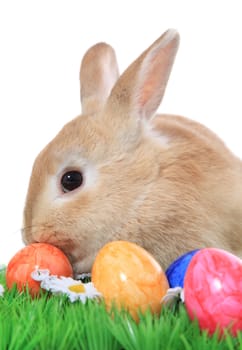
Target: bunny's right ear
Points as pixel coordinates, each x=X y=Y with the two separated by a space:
x=140 y=89
x=98 y=74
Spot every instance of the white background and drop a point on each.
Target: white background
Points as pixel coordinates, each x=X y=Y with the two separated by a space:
x=41 y=46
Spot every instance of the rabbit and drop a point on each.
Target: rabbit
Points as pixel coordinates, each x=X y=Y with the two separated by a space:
x=120 y=171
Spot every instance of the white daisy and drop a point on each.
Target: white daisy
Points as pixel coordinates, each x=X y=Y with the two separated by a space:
x=173 y=295
x=2 y=267
x=1 y=290
x=75 y=290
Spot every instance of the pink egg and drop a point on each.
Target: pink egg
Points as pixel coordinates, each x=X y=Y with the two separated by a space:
x=213 y=290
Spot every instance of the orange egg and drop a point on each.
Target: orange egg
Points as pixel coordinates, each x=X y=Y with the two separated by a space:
x=40 y=255
x=130 y=277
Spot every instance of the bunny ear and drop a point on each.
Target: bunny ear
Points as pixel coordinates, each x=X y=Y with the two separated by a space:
x=141 y=87
x=98 y=73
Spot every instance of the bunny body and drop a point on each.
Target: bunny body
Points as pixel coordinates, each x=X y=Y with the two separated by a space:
x=165 y=182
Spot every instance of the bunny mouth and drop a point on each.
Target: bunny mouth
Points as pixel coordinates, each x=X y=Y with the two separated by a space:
x=79 y=257
x=80 y=262
x=67 y=246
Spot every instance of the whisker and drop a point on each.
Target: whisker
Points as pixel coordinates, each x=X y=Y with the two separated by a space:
x=33 y=226
x=36 y=229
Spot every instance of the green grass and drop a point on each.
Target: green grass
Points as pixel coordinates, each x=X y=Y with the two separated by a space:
x=52 y=322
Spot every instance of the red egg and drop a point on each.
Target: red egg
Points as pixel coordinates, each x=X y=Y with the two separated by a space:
x=40 y=255
x=130 y=277
x=213 y=290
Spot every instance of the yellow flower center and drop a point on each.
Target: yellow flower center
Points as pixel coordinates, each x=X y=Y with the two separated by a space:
x=77 y=288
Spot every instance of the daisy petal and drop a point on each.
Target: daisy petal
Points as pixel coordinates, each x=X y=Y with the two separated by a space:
x=40 y=274
x=1 y=290
x=83 y=276
x=2 y=267
x=173 y=295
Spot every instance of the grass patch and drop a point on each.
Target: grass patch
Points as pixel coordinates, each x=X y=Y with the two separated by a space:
x=55 y=323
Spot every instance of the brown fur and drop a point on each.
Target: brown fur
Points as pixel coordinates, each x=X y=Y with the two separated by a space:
x=166 y=183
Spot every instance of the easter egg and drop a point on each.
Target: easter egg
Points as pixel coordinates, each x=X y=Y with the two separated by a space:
x=175 y=273
x=213 y=290
x=36 y=255
x=129 y=277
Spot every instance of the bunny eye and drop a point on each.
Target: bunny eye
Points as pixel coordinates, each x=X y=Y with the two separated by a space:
x=71 y=180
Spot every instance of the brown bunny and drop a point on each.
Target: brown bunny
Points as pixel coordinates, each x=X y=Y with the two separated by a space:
x=120 y=172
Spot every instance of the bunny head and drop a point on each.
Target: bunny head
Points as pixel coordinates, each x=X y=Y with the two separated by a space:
x=88 y=183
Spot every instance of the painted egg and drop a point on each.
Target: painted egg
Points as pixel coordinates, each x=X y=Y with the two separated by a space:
x=213 y=290
x=128 y=276
x=36 y=255
x=177 y=270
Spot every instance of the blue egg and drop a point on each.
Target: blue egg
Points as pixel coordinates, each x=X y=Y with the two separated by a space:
x=177 y=270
